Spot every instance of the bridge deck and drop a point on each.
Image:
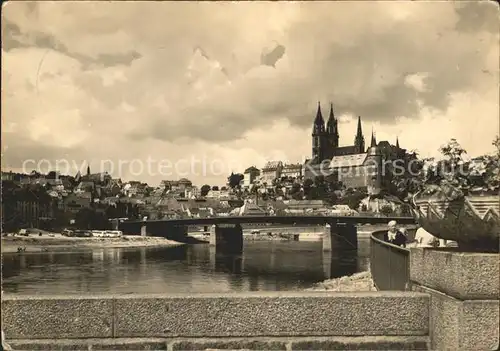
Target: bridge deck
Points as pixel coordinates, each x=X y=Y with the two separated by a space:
x=278 y=219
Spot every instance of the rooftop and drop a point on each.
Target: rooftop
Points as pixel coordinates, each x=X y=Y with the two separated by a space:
x=348 y=160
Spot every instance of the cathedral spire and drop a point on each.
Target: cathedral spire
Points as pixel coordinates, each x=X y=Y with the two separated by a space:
x=319 y=116
x=397 y=142
x=359 y=140
x=374 y=141
x=319 y=122
x=331 y=126
x=359 y=132
x=88 y=168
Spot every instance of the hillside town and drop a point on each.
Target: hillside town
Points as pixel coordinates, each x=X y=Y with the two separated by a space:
x=342 y=180
x=337 y=180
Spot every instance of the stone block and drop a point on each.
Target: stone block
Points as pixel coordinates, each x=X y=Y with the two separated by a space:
x=91 y=344
x=462 y=325
x=229 y=344
x=466 y=276
x=263 y=343
x=57 y=317
x=273 y=314
x=362 y=343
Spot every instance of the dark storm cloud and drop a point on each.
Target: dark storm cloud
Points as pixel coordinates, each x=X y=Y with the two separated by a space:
x=270 y=58
x=19 y=151
x=322 y=52
x=366 y=77
x=13 y=38
x=478 y=15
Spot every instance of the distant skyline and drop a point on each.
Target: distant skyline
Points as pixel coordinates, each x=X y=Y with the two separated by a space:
x=239 y=83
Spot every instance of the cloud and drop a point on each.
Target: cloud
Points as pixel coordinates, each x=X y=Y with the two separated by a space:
x=239 y=80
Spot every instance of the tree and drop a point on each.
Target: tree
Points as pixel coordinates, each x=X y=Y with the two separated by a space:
x=295 y=188
x=307 y=186
x=234 y=179
x=386 y=210
x=83 y=219
x=352 y=198
x=215 y=188
x=204 y=190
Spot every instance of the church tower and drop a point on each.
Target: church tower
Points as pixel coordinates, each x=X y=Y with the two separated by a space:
x=333 y=133
x=319 y=137
x=359 y=141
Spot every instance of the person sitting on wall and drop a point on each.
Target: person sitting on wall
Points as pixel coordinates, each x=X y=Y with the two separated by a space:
x=394 y=236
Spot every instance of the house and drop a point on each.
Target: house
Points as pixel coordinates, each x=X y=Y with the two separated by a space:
x=113 y=188
x=135 y=188
x=249 y=176
x=85 y=186
x=270 y=172
x=249 y=209
x=176 y=185
x=100 y=178
x=34 y=206
x=75 y=202
x=292 y=171
x=192 y=193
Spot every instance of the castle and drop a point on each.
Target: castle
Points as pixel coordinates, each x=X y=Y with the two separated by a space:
x=355 y=165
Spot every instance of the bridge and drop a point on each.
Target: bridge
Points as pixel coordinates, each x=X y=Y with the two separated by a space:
x=226 y=232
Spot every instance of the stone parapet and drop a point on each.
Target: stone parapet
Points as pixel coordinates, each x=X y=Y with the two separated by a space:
x=465 y=276
x=278 y=314
x=57 y=317
x=464 y=291
x=289 y=344
x=462 y=325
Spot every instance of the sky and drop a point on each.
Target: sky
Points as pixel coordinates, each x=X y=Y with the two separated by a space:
x=164 y=90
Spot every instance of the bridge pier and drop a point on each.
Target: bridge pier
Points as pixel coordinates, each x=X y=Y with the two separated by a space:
x=227 y=238
x=340 y=236
x=115 y=223
x=144 y=230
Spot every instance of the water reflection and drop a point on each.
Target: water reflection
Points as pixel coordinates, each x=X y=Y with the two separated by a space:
x=197 y=268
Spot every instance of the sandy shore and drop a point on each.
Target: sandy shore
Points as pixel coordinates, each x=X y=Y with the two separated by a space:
x=357 y=282
x=35 y=243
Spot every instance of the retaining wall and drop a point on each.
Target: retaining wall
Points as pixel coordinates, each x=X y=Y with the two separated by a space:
x=271 y=321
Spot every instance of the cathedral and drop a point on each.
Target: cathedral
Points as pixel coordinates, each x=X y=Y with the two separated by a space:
x=357 y=165
x=326 y=140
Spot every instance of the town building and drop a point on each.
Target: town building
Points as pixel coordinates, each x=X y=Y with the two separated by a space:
x=73 y=203
x=250 y=176
x=270 y=172
x=292 y=171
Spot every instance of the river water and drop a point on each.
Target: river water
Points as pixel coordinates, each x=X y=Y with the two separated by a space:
x=263 y=266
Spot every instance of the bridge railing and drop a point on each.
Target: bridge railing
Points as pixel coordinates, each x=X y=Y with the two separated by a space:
x=389 y=264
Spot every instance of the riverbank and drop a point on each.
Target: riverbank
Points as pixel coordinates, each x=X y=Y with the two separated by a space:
x=46 y=242
x=357 y=282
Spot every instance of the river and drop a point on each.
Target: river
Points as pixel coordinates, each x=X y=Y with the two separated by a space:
x=263 y=266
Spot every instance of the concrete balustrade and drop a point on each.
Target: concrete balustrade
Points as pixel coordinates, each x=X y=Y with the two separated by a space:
x=273 y=320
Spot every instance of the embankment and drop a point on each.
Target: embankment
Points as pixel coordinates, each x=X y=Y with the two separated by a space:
x=357 y=282
x=35 y=243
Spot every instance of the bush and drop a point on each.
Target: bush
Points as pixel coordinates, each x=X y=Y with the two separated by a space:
x=386 y=210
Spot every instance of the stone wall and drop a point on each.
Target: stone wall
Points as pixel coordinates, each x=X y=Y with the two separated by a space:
x=273 y=320
x=464 y=289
